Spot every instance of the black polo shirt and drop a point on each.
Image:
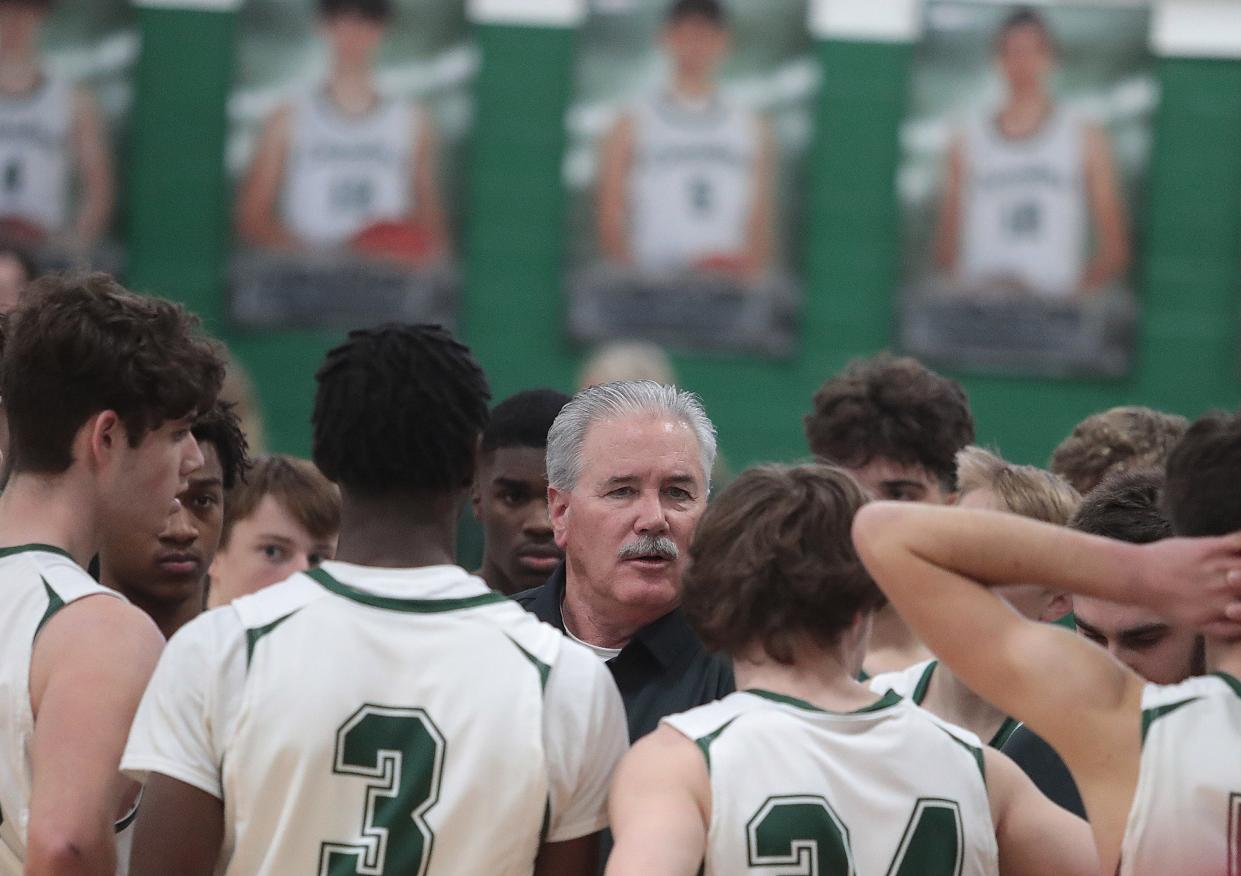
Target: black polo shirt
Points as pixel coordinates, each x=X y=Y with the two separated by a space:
x=1040 y=762
x=663 y=670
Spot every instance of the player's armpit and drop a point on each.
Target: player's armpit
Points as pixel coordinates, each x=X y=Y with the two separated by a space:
x=575 y=857
x=660 y=808
x=179 y=830
x=90 y=664
x=1034 y=835
x=612 y=217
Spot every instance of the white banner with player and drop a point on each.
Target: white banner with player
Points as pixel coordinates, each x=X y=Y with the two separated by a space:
x=1023 y=154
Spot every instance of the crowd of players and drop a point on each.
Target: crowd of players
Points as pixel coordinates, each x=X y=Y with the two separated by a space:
x=849 y=665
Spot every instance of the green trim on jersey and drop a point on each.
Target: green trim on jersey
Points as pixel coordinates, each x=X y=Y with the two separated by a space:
x=1007 y=726
x=891 y=698
x=253 y=635
x=27 y=548
x=392 y=603
x=1229 y=680
x=130 y=818
x=979 y=758
x=704 y=742
x=543 y=668
x=54 y=604
x=1150 y=716
x=1005 y=731
x=924 y=683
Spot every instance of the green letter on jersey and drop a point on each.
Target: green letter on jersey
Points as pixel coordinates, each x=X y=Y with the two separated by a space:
x=402 y=752
x=804 y=832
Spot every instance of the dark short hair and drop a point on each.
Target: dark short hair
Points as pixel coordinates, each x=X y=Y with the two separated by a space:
x=893 y=408
x=375 y=10
x=711 y=10
x=300 y=488
x=772 y=562
x=1126 y=506
x=398 y=410
x=1202 y=495
x=221 y=428
x=523 y=420
x=1024 y=17
x=1118 y=439
x=79 y=345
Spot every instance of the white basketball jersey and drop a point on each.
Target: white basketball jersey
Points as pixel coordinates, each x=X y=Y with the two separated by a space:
x=343 y=173
x=885 y=791
x=36 y=581
x=691 y=185
x=35 y=133
x=1024 y=206
x=1186 y=815
x=373 y=733
x=913 y=682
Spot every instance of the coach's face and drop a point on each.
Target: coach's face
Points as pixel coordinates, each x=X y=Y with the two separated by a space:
x=626 y=526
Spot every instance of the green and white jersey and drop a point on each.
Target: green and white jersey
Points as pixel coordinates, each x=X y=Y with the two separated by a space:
x=383 y=721
x=888 y=789
x=1186 y=815
x=36 y=581
x=912 y=683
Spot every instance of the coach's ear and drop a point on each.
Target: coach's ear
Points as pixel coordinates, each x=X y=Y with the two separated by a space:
x=1058 y=606
x=558 y=514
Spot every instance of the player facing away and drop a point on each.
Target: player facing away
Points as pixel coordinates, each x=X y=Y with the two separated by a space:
x=51 y=136
x=1158 y=766
x=686 y=178
x=100 y=388
x=345 y=158
x=385 y=713
x=805 y=770
x=1030 y=185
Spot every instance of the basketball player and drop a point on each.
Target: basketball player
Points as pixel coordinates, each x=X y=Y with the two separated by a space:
x=1028 y=187
x=686 y=179
x=387 y=712
x=510 y=492
x=1129 y=438
x=345 y=157
x=805 y=770
x=989 y=483
x=1159 y=767
x=51 y=135
x=166 y=574
x=100 y=388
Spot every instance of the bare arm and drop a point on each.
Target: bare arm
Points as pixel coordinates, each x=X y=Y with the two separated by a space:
x=94 y=161
x=428 y=206
x=948 y=231
x=660 y=808
x=936 y=564
x=179 y=830
x=1107 y=210
x=257 y=212
x=1035 y=836
x=762 y=214
x=576 y=857
x=615 y=161
x=90 y=665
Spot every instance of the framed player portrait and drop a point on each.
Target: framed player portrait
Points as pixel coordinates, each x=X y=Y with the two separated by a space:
x=1023 y=155
x=687 y=132
x=64 y=107
x=347 y=127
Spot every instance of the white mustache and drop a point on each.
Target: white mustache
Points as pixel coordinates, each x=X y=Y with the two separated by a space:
x=649 y=546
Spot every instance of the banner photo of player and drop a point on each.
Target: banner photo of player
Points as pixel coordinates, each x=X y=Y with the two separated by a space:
x=65 y=92
x=1023 y=156
x=686 y=137
x=347 y=126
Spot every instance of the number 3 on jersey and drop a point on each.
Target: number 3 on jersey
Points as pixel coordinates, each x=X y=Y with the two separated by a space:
x=402 y=752
x=803 y=835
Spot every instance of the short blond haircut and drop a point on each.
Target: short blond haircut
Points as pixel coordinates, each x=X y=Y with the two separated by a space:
x=1020 y=489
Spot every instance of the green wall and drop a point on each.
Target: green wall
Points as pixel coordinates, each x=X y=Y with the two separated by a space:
x=1190 y=240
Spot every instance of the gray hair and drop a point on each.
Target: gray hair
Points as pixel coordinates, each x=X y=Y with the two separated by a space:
x=610 y=400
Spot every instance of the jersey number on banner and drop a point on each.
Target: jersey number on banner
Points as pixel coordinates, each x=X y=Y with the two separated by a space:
x=804 y=832
x=402 y=752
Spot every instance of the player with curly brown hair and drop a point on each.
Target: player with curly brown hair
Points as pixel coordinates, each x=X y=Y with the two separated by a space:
x=1120 y=439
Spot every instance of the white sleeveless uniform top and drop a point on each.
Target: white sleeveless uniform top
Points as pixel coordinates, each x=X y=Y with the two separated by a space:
x=913 y=682
x=1024 y=205
x=35 y=154
x=383 y=721
x=1186 y=815
x=885 y=791
x=36 y=581
x=345 y=173
x=691 y=183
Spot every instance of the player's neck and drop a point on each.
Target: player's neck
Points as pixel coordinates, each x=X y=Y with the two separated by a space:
x=1025 y=113
x=491 y=572
x=1224 y=657
x=168 y=616
x=399 y=532
x=49 y=510
x=893 y=646
x=823 y=677
x=693 y=89
x=352 y=90
x=950 y=699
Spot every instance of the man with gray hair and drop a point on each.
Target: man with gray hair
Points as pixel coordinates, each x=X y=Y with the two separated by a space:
x=628 y=468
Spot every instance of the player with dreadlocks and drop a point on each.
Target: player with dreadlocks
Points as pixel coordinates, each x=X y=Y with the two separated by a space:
x=386 y=711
